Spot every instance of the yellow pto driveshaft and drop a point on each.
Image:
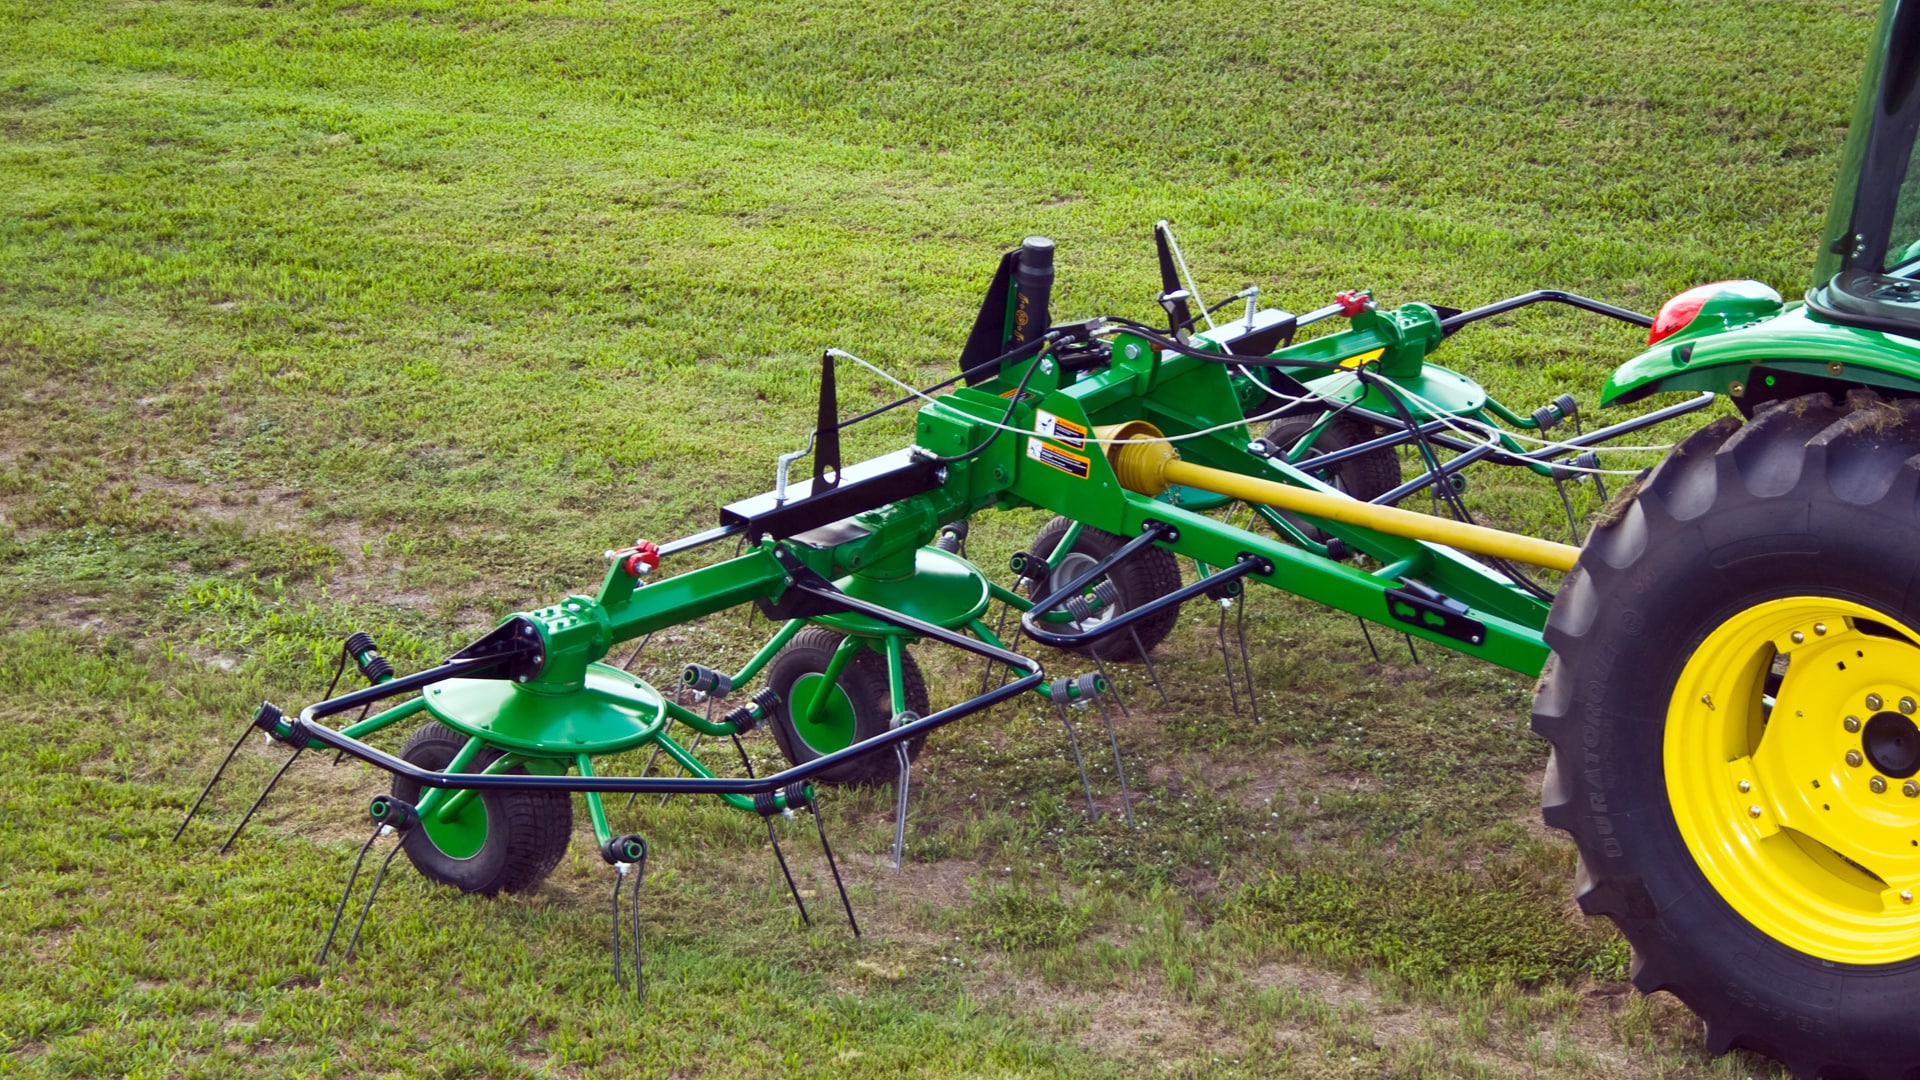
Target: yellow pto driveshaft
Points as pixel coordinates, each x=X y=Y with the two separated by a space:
x=1151 y=467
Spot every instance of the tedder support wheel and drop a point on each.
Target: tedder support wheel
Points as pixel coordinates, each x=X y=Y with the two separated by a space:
x=1731 y=701
x=1366 y=477
x=498 y=840
x=859 y=706
x=1144 y=576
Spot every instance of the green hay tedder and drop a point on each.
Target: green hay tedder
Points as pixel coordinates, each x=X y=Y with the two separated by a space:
x=1728 y=665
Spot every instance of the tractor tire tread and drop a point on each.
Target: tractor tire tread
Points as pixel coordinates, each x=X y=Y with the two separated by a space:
x=1705 y=503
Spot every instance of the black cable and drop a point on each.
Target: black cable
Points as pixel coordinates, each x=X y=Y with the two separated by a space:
x=1012 y=404
x=981 y=368
x=1442 y=484
x=1172 y=345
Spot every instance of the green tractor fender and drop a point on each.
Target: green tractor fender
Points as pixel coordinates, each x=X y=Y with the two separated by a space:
x=1737 y=338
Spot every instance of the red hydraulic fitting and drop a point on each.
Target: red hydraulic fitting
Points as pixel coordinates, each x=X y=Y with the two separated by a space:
x=644 y=560
x=1352 y=302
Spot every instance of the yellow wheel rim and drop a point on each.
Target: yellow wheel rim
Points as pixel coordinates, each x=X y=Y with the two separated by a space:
x=1792 y=762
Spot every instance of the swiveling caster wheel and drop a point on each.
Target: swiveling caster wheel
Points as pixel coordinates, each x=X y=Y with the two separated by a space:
x=492 y=841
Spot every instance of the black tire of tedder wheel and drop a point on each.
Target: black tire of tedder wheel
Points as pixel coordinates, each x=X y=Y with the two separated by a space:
x=1807 y=499
x=1365 y=477
x=1142 y=577
x=527 y=831
x=864 y=681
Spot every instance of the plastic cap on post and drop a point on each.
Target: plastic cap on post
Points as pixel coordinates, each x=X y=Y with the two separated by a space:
x=1352 y=302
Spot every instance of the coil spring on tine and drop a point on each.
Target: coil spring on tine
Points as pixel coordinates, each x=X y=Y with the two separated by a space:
x=1073 y=689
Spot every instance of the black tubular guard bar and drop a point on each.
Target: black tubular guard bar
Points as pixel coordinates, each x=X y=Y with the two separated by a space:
x=1440 y=434
x=1155 y=530
x=1552 y=296
x=305 y=729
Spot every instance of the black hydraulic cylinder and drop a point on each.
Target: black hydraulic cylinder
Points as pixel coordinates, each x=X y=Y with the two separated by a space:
x=1033 y=290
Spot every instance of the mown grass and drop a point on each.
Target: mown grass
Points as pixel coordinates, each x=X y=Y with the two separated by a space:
x=391 y=316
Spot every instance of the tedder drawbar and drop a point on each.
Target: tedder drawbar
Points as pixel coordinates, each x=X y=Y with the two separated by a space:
x=1728 y=668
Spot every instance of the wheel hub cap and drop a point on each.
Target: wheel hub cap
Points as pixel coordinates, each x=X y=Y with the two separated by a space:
x=1892 y=744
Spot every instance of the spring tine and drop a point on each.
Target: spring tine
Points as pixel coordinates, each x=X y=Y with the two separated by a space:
x=268 y=790
x=354 y=941
x=1369 y=636
x=205 y=791
x=1112 y=688
x=784 y=872
x=999 y=631
x=639 y=973
x=1126 y=796
x=1147 y=658
x=341 y=908
x=834 y=866
x=1073 y=740
x=745 y=762
x=900 y=806
x=1410 y=649
x=619 y=879
x=1573 y=523
x=1246 y=662
x=635 y=655
x=1233 y=691
x=692 y=748
x=645 y=771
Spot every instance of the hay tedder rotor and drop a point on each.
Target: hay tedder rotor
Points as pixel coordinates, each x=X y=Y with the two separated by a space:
x=1728 y=667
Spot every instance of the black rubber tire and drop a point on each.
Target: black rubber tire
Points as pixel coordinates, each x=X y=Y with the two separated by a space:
x=1144 y=576
x=527 y=831
x=1807 y=499
x=864 y=680
x=1366 y=477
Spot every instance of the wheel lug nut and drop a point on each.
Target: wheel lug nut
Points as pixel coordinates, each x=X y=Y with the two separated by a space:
x=1798 y=637
x=1820 y=628
x=1878 y=785
x=1852 y=724
x=1745 y=787
x=1910 y=789
x=1753 y=811
x=1907 y=705
x=1874 y=702
x=1906 y=896
x=1854 y=759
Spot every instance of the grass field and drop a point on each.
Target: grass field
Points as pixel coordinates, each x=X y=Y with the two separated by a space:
x=392 y=316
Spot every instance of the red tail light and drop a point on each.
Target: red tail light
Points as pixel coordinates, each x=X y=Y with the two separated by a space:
x=1676 y=313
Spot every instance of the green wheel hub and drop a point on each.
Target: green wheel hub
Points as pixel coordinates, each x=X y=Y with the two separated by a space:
x=833 y=727
x=463 y=834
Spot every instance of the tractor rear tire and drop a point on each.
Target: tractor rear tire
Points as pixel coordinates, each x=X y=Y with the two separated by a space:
x=1143 y=577
x=501 y=840
x=1730 y=702
x=861 y=708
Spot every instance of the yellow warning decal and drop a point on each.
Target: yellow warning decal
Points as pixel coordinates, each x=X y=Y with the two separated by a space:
x=1363 y=358
x=1053 y=457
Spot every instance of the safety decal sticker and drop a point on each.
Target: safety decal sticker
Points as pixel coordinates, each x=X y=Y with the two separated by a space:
x=1064 y=432
x=1064 y=460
